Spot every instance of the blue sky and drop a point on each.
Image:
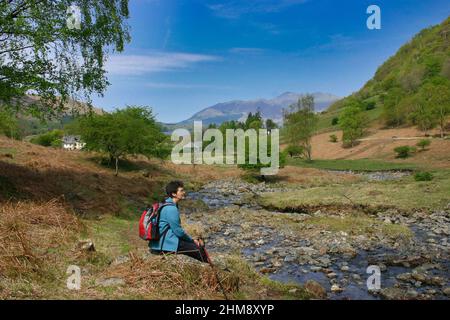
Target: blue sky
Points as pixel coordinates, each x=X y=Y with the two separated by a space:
x=186 y=55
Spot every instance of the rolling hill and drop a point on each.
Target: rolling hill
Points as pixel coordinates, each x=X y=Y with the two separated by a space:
x=391 y=96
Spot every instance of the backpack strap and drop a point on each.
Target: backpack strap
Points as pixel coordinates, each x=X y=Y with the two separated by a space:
x=168 y=226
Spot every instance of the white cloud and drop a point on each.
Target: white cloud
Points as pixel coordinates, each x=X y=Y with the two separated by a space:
x=155 y=62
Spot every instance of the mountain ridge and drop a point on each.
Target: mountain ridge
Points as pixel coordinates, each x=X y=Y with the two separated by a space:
x=239 y=109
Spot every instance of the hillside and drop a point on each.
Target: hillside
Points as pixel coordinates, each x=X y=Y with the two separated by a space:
x=30 y=125
x=60 y=208
x=393 y=95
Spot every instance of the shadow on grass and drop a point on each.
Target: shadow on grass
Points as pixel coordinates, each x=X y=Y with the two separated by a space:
x=88 y=192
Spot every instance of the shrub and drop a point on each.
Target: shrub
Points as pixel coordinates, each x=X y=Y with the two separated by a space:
x=369 y=105
x=423 y=176
x=334 y=121
x=404 y=151
x=294 y=150
x=49 y=139
x=423 y=143
x=333 y=138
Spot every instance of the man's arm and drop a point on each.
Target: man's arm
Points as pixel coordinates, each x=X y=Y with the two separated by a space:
x=173 y=218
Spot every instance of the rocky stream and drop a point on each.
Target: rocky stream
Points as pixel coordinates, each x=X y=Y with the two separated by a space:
x=333 y=264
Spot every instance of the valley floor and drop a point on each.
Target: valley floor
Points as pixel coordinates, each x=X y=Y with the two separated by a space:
x=307 y=233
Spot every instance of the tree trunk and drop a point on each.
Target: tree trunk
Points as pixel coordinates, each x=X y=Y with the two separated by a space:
x=117 y=166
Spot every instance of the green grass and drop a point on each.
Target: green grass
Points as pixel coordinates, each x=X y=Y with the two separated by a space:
x=359 y=224
x=405 y=194
x=111 y=234
x=353 y=165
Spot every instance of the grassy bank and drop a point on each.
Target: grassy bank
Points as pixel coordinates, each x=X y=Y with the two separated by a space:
x=404 y=194
x=353 y=165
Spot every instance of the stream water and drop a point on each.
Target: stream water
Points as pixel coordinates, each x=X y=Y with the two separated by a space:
x=418 y=270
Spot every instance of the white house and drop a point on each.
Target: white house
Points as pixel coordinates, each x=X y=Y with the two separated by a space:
x=73 y=143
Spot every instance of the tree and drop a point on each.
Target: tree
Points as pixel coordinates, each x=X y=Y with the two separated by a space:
x=352 y=121
x=300 y=123
x=270 y=125
x=423 y=143
x=422 y=114
x=9 y=125
x=437 y=97
x=404 y=151
x=294 y=151
x=254 y=121
x=129 y=131
x=393 y=108
x=40 y=52
x=254 y=167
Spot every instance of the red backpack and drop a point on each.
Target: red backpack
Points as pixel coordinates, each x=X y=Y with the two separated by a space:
x=149 y=222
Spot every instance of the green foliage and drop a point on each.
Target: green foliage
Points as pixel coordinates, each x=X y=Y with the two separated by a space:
x=300 y=123
x=9 y=125
x=293 y=150
x=333 y=138
x=270 y=124
x=254 y=121
x=423 y=176
x=423 y=143
x=258 y=165
x=404 y=151
x=49 y=139
x=369 y=105
x=128 y=131
x=352 y=121
x=334 y=121
x=40 y=53
x=412 y=86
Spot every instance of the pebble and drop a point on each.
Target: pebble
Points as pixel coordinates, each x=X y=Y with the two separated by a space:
x=335 y=288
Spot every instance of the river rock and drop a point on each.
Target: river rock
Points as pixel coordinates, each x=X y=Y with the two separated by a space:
x=267 y=270
x=446 y=291
x=86 y=245
x=289 y=259
x=404 y=277
x=419 y=277
x=336 y=289
x=331 y=275
x=392 y=293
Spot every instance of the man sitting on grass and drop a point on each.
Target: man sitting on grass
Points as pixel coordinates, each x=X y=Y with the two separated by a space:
x=173 y=238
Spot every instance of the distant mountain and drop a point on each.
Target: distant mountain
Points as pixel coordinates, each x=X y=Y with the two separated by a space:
x=239 y=109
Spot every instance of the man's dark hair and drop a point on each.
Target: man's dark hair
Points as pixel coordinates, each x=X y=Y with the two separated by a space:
x=172 y=187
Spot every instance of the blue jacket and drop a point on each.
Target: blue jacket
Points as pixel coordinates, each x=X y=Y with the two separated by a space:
x=170 y=216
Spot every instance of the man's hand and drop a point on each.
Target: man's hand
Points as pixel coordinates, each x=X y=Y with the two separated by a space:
x=199 y=242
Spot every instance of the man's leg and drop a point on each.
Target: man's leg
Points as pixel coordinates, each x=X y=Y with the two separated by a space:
x=190 y=249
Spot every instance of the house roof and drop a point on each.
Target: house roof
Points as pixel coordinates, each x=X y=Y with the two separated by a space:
x=71 y=139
